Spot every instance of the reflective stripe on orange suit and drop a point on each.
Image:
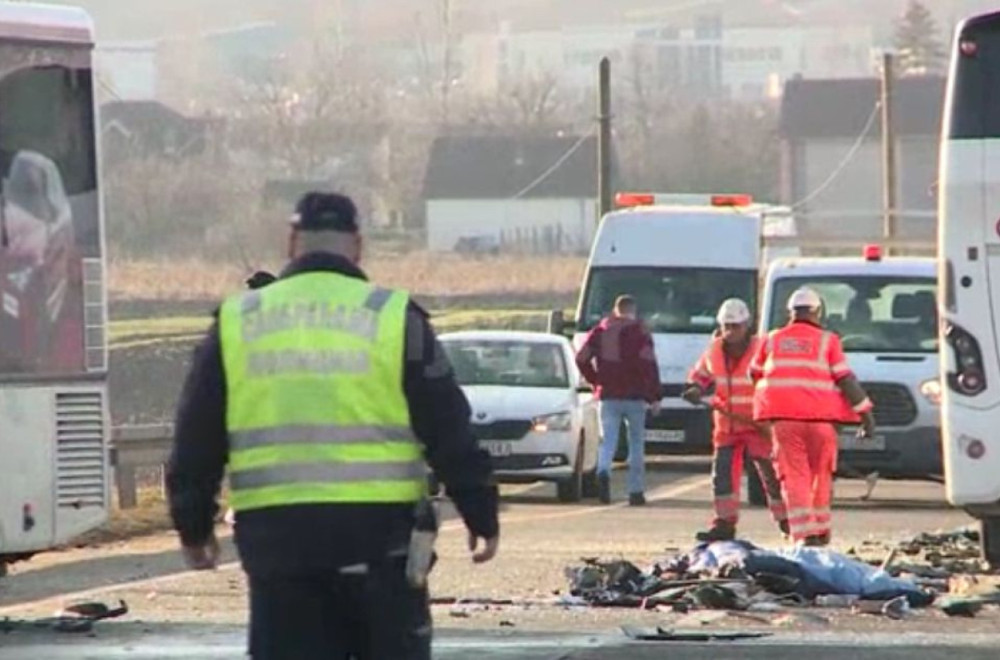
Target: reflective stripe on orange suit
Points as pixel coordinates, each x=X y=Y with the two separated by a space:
x=796 y=370
x=734 y=393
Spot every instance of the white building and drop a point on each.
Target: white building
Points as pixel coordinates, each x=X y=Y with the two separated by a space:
x=534 y=193
x=705 y=58
x=822 y=120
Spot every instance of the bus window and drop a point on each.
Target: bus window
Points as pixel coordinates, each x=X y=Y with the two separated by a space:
x=48 y=209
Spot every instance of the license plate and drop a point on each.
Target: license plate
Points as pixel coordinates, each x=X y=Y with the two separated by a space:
x=664 y=435
x=497 y=448
x=850 y=442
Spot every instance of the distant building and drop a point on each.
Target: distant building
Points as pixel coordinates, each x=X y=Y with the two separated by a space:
x=821 y=120
x=747 y=55
x=152 y=129
x=484 y=191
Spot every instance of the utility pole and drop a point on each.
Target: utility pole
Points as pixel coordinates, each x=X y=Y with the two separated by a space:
x=446 y=82
x=890 y=206
x=604 y=140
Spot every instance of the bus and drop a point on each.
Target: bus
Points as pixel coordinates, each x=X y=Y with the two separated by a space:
x=54 y=429
x=968 y=272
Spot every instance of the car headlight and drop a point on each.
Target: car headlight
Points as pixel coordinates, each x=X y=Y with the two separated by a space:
x=931 y=390
x=562 y=421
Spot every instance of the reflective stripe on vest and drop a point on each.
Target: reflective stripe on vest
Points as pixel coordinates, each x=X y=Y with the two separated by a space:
x=733 y=389
x=797 y=380
x=316 y=411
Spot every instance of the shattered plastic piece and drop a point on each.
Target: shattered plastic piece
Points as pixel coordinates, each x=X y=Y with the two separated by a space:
x=95 y=611
x=836 y=600
x=896 y=608
x=670 y=635
x=965 y=607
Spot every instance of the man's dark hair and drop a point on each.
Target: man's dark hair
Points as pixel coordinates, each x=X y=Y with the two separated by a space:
x=625 y=304
x=318 y=211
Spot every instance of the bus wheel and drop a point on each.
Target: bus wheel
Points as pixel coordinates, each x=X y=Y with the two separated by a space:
x=989 y=540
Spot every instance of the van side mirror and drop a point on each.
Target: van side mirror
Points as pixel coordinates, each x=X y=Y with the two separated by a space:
x=558 y=324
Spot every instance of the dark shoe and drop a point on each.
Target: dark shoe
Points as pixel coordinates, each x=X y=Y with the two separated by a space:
x=785 y=529
x=636 y=499
x=604 y=488
x=719 y=532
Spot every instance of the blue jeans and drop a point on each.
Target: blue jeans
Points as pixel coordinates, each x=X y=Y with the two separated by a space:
x=634 y=413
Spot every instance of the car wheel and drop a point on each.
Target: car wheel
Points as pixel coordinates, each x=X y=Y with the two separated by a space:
x=989 y=540
x=591 y=487
x=571 y=489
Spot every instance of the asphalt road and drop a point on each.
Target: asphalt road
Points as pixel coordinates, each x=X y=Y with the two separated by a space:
x=175 y=613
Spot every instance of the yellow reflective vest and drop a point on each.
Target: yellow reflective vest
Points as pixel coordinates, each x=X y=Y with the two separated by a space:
x=316 y=411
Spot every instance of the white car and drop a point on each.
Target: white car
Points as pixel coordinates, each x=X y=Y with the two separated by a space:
x=531 y=409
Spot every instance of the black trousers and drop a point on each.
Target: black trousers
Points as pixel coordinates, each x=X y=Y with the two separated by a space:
x=336 y=616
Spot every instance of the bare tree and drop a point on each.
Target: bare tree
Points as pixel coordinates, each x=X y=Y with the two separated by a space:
x=306 y=118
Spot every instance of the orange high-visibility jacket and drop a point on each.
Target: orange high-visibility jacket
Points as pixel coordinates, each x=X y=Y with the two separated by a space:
x=796 y=371
x=733 y=386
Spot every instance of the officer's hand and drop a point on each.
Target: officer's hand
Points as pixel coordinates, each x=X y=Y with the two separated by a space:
x=202 y=557
x=692 y=395
x=867 y=428
x=489 y=550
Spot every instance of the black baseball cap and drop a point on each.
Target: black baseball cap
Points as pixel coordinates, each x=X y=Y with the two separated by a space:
x=317 y=211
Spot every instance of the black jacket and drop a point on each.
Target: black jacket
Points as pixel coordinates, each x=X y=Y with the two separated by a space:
x=305 y=538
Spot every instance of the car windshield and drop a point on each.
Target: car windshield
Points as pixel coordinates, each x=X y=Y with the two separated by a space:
x=670 y=300
x=871 y=314
x=514 y=363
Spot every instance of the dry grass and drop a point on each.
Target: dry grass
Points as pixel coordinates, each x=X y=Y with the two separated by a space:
x=421 y=273
x=149 y=516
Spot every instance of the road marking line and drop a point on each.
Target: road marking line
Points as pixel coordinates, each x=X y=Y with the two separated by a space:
x=87 y=594
x=665 y=492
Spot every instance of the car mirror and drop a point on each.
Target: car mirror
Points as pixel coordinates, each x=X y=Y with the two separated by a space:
x=584 y=388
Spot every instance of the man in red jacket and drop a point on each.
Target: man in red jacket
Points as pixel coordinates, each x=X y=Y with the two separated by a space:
x=619 y=360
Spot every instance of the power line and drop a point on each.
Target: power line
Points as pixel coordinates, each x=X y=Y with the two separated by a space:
x=547 y=173
x=844 y=162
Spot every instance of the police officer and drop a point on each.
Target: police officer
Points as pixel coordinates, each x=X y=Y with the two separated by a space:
x=322 y=393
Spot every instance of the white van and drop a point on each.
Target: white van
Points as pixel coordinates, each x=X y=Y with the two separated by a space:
x=679 y=256
x=885 y=311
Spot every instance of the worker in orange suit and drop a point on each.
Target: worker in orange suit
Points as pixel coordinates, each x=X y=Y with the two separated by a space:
x=724 y=366
x=803 y=387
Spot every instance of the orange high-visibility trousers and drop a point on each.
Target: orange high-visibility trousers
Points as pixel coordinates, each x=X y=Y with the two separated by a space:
x=727 y=473
x=806 y=454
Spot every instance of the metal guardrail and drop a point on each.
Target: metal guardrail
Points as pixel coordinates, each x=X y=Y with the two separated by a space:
x=134 y=448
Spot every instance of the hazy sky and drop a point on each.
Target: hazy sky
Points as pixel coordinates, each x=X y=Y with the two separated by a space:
x=121 y=19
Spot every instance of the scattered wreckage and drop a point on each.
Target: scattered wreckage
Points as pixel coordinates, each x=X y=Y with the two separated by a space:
x=940 y=570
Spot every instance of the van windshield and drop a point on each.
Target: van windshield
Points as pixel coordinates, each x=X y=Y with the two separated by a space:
x=670 y=300
x=871 y=314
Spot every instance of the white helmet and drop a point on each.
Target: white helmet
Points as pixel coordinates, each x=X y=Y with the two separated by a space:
x=804 y=297
x=733 y=310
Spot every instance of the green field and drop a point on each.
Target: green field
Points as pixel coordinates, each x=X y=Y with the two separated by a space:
x=135 y=333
